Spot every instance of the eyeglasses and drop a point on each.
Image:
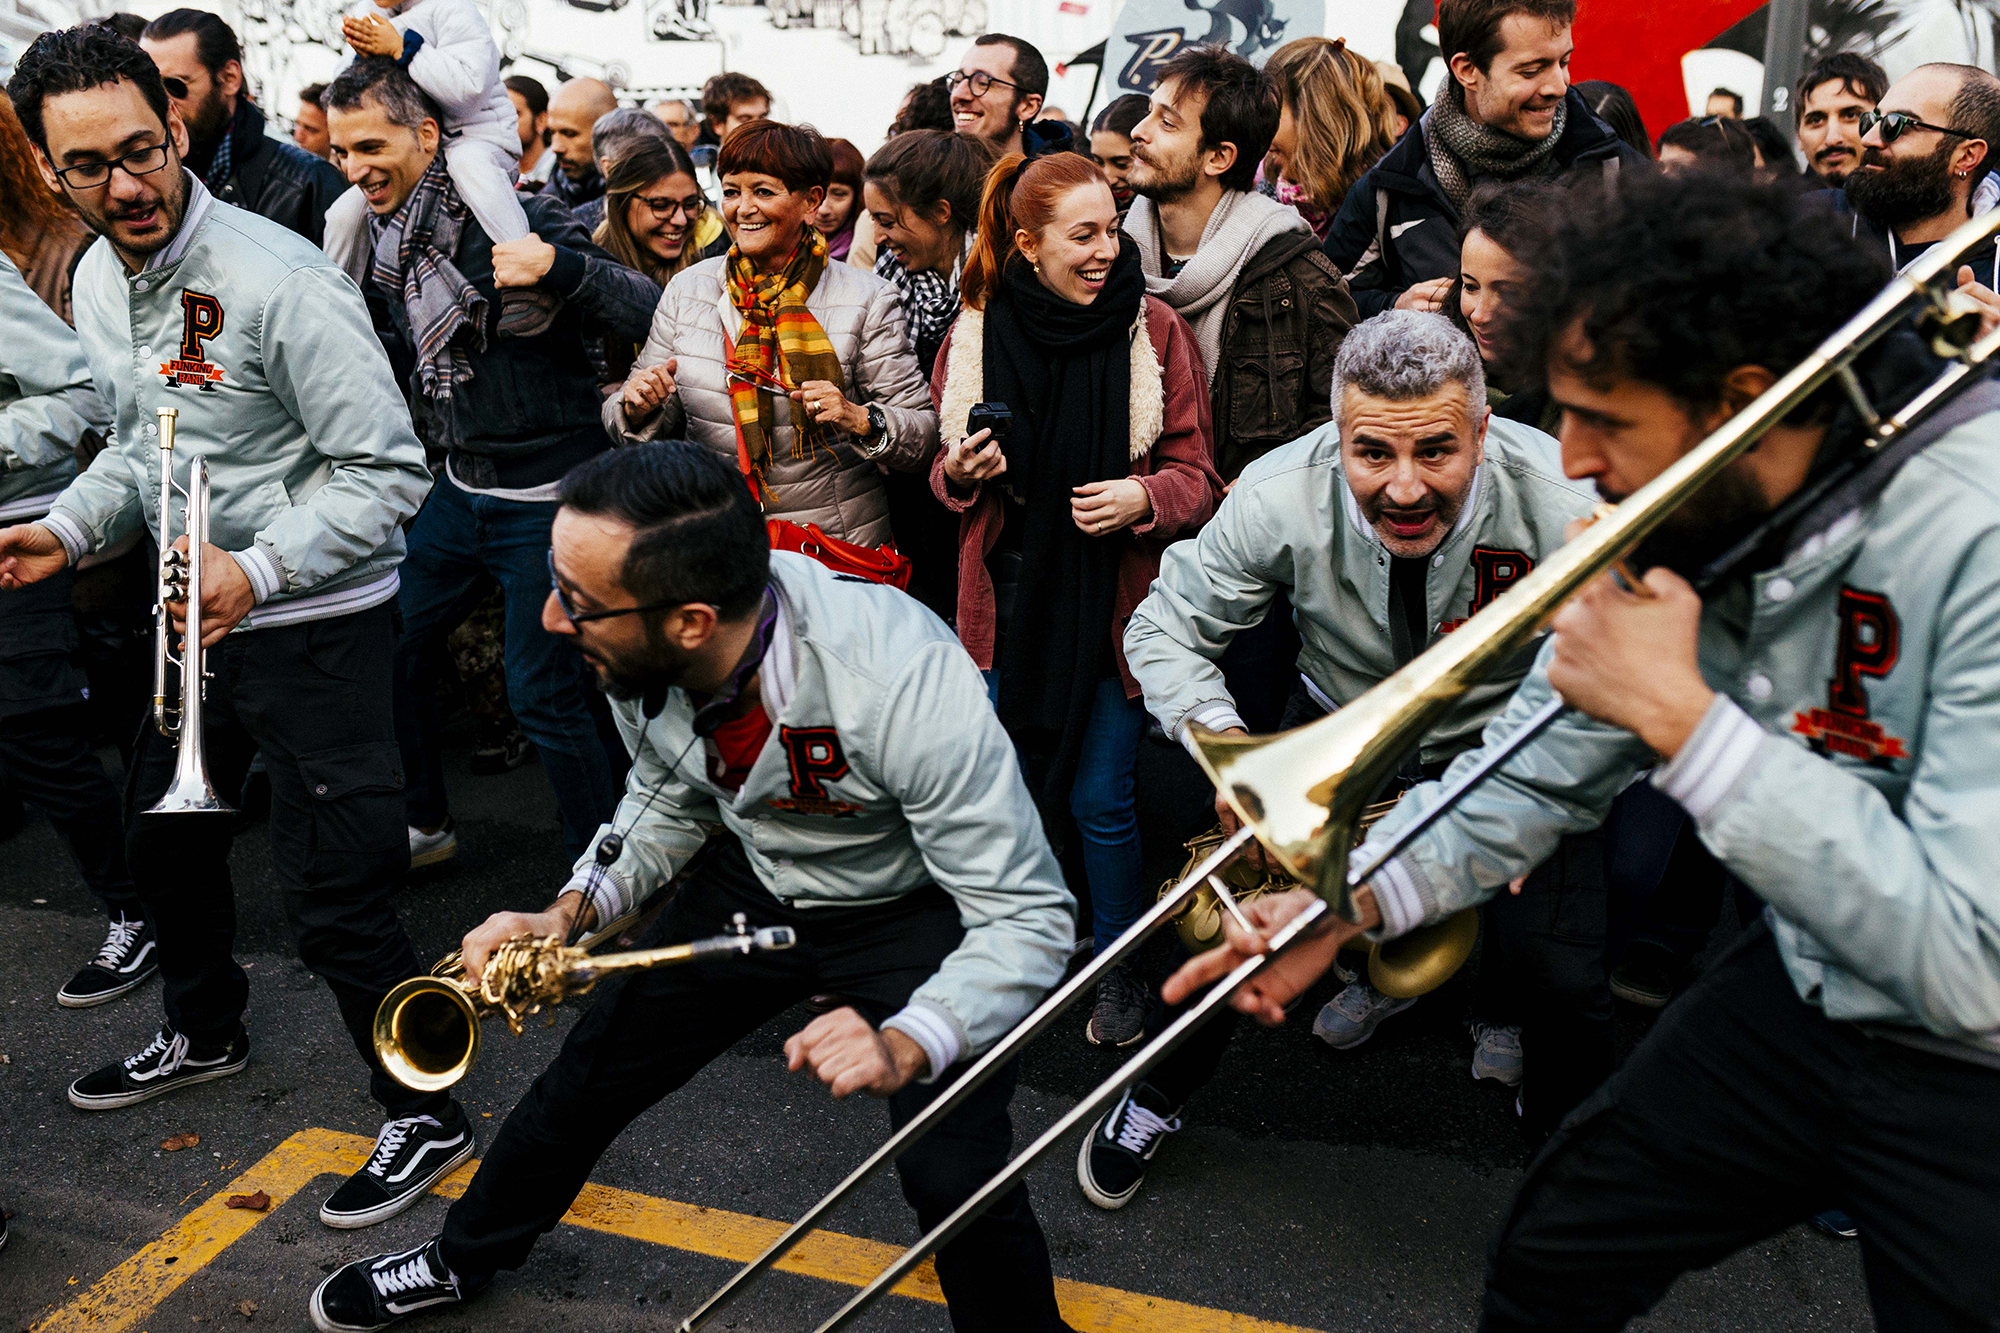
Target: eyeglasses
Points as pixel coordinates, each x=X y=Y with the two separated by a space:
x=982 y=82
x=138 y=162
x=176 y=88
x=665 y=206
x=1893 y=123
x=577 y=619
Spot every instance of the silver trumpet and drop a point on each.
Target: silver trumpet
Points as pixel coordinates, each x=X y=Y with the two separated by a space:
x=180 y=581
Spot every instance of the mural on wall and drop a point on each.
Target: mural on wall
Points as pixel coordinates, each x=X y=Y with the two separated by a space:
x=1147 y=33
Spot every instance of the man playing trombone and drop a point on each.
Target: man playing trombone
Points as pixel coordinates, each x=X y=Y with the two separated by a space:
x=1828 y=711
x=282 y=390
x=866 y=796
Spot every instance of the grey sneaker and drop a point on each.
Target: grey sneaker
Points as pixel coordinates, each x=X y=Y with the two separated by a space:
x=1120 y=1016
x=1496 y=1053
x=1352 y=1016
x=433 y=847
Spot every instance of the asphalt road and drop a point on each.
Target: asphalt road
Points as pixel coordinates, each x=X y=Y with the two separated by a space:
x=1333 y=1191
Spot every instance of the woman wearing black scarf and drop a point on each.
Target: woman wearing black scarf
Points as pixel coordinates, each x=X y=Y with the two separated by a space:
x=1062 y=522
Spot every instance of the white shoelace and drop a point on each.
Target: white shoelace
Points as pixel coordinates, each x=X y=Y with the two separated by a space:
x=171 y=1048
x=407 y=1276
x=120 y=938
x=1141 y=1127
x=390 y=1141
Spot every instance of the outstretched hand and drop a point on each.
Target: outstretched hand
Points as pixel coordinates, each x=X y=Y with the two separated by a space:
x=29 y=553
x=1265 y=996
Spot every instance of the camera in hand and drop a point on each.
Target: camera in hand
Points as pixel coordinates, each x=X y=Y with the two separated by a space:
x=990 y=416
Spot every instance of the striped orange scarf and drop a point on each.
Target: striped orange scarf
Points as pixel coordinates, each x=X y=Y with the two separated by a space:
x=780 y=347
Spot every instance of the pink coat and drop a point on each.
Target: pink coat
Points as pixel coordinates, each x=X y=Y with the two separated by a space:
x=1173 y=457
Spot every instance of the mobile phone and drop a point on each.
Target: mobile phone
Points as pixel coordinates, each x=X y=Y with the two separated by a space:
x=990 y=416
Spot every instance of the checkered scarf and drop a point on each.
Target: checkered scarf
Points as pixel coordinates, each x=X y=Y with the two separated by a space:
x=930 y=298
x=780 y=343
x=413 y=258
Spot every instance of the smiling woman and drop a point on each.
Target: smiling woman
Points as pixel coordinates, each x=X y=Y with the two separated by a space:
x=797 y=369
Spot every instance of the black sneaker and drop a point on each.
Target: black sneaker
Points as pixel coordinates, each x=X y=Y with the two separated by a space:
x=1648 y=975
x=493 y=757
x=124 y=963
x=411 y=1155
x=168 y=1062
x=374 y=1293
x=1112 y=1163
x=1119 y=1018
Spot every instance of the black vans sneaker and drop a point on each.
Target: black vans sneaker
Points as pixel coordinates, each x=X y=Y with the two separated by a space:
x=370 y=1294
x=411 y=1155
x=168 y=1062
x=127 y=960
x=1112 y=1163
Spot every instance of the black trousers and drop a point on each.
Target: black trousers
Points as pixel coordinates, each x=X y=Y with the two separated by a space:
x=314 y=698
x=1745 y=1111
x=648 y=1033
x=46 y=757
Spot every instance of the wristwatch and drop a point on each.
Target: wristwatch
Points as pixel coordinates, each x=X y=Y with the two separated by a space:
x=878 y=422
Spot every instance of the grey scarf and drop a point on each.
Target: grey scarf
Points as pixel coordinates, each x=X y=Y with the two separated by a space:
x=1463 y=151
x=1241 y=225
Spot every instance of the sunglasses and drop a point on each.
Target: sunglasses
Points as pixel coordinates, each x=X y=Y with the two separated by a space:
x=578 y=619
x=176 y=88
x=1893 y=123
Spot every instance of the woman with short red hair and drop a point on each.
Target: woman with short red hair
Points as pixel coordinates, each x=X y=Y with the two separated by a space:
x=797 y=369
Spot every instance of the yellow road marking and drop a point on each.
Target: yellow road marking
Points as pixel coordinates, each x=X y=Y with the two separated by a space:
x=126 y=1295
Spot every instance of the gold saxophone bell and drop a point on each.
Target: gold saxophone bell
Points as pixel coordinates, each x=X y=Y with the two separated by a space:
x=427 y=1028
x=1403 y=968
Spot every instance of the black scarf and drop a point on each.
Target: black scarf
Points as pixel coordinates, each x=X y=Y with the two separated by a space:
x=1065 y=371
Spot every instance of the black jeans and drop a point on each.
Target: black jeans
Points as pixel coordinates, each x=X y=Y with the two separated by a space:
x=45 y=758
x=314 y=698
x=647 y=1034
x=1743 y=1112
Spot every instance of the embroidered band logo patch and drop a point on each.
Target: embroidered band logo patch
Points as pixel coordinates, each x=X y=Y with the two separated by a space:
x=815 y=758
x=1870 y=642
x=1493 y=572
x=201 y=320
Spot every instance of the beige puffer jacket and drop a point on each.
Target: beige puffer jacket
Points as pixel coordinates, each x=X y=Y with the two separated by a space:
x=840 y=490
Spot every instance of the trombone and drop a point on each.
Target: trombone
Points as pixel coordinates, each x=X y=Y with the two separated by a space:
x=427 y=1028
x=180 y=573
x=1303 y=792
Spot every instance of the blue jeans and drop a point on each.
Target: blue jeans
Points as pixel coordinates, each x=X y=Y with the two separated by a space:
x=456 y=538
x=1101 y=801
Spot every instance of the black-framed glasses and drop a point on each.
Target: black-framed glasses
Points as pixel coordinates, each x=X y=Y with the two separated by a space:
x=138 y=162
x=664 y=206
x=1893 y=123
x=982 y=82
x=578 y=619
x=176 y=88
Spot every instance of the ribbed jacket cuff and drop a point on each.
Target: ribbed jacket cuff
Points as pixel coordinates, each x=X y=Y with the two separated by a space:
x=1215 y=716
x=72 y=534
x=1722 y=748
x=931 y=1030
x=266 y=579
x=566 y=272
x=1397 y=897
x=606 y=892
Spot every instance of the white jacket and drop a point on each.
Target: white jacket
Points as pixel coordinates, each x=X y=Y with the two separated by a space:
x=458 y=65
x=47 y=403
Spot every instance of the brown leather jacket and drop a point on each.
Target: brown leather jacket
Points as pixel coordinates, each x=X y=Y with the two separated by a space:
x=1274 y=378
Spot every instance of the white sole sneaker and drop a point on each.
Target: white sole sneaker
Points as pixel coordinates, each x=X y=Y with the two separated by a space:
x=1088 y=1184
x=69 y=1001
x=112 y=1101
x=408 y=1199
x=429 y=849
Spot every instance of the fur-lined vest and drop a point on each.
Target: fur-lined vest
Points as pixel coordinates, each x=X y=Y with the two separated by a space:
x=1171 y=448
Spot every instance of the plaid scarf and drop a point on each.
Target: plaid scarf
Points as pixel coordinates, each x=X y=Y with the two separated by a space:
x=413 y=260
x=930 y=298
x=780 y=347
x=1464 y=152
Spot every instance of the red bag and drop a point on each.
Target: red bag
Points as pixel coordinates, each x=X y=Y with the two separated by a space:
x=884 y=565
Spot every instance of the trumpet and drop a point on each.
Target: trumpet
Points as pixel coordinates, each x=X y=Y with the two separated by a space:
x=1303 y=793
x=180 y=581
x=427 y=1028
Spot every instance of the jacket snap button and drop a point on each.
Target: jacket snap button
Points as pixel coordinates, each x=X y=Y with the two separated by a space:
x=320 y=790
x=145 y=353
x=1759 y=686
x=1779 y=590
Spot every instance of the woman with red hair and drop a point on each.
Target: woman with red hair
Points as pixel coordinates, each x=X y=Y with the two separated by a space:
x=1108 y=457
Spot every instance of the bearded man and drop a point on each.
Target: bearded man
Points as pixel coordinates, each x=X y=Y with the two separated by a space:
x=1925 y=149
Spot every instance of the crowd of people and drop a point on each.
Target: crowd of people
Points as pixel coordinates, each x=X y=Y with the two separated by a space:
x=836 y=528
